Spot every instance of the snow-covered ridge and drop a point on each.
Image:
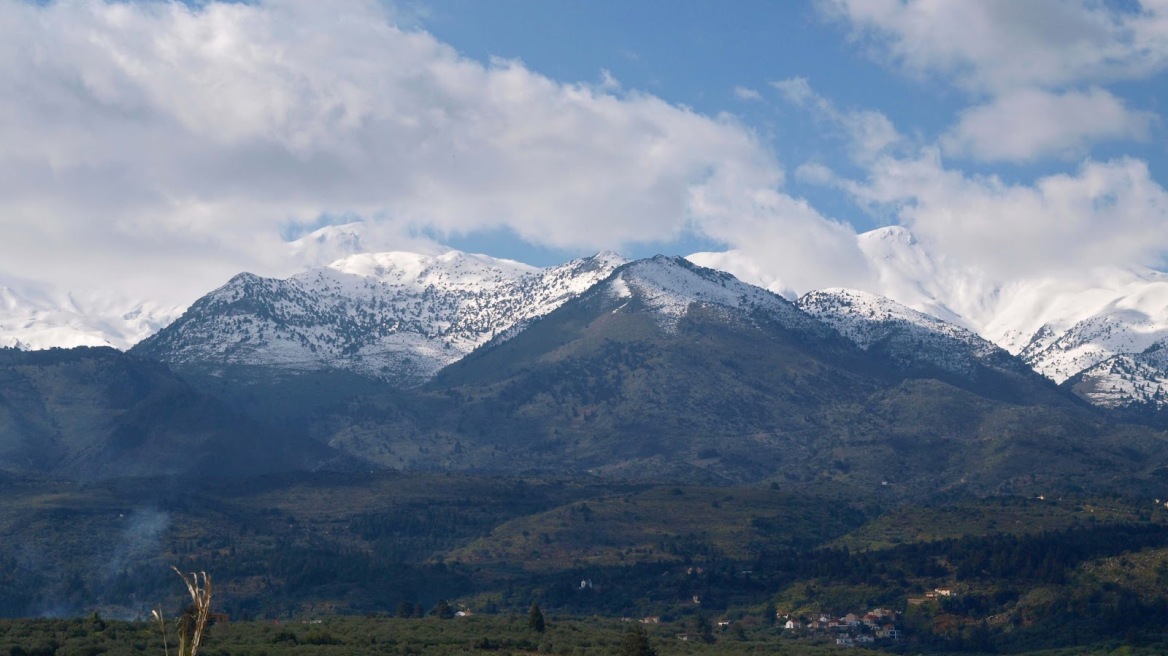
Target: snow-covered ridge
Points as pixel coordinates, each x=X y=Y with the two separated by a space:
x=1122 y=312
x=866 y=318
x=909 y=337
x=397 y=316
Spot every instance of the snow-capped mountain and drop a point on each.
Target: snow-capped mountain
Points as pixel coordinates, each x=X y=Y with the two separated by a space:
x=395 y=316
x=37 y=316
x=1061 y=325
x=909 y=338
x=403 y=315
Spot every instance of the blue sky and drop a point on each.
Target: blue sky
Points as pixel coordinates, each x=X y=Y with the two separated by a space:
x=161 y=147
x=698 y=54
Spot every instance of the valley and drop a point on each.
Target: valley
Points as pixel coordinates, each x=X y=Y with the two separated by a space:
x=326 y=549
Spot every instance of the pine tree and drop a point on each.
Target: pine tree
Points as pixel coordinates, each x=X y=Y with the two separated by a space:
x=535 y=619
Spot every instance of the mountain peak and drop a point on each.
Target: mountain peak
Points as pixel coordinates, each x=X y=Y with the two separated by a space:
x=669 y=285
x=244 y=278
x=609 y=258
x=893 y=233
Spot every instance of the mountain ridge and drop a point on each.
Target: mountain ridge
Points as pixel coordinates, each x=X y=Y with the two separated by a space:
x=402 y=316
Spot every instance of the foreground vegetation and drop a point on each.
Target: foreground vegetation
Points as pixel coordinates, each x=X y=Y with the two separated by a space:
x=479 y=635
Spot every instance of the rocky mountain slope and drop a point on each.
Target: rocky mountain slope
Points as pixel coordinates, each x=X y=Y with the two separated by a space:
x=1137 y=381
x=908 y=337
x=398 y=317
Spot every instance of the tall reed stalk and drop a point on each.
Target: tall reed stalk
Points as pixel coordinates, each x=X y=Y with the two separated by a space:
x=193 y=622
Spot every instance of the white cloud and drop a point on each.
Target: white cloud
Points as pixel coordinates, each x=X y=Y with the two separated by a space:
x=816 y=173
x=1027 y=124
x=869 y=132
x=998 y=45
x=608 y=82
x=1105 y=213
x=160 y=147
x=746 y=93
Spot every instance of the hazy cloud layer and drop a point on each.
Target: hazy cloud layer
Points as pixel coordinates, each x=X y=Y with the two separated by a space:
x=1101 y=213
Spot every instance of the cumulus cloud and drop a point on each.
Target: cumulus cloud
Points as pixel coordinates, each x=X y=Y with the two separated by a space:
x=993 y=46
x=162 y=146
x=1028 y=124
x=1104 y=213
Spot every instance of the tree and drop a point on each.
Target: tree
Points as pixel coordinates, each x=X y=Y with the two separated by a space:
x=443 y=610
x=535 y=619
x=636 y=643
